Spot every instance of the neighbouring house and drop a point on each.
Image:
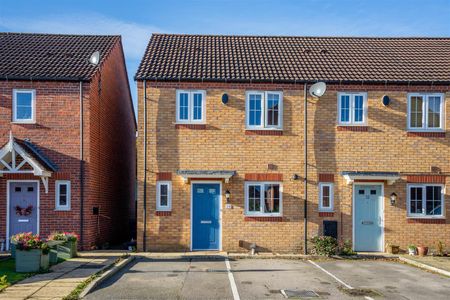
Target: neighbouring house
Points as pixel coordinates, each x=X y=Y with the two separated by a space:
x=67 y=135
x=221 y=142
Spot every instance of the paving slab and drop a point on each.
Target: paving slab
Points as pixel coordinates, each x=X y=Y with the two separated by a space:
x=62 y=278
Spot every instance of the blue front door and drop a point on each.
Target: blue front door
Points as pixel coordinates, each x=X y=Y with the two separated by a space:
x=205 y=216
x=368 y=218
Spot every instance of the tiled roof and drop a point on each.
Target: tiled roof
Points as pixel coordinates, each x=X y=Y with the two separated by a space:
x=172 y=57
x=34 y=151
x=51 y=56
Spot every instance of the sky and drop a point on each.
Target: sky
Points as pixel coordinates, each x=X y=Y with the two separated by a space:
x=136 y=20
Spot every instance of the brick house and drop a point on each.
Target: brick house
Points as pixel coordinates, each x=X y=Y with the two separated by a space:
x=221 y=142
x=67 y=135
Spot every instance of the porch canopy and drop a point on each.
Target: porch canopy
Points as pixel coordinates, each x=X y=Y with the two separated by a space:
x=352 y=176
x=206 y=174
x=23 y=157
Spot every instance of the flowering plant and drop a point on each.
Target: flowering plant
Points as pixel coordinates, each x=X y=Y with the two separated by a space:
x=63 y=236
x=28 y=241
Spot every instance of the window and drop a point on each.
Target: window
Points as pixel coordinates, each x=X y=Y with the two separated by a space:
x=425 y=112
x=326 y=197
x=425 y=200
x=264 y=110
x=24 y=106
x=62 y=195
x=164 y=196
x=352 y=108
x=190 y=106
x=263 y=198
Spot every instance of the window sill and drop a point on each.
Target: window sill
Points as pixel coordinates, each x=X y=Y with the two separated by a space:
x=438 y=134
x=163 y=213
x=426 y=220
x=326 y=213
x=190 y=126
x=355 y=128
x=24 y=122
x=263 y=219
x=62 y=209
x=263 y=132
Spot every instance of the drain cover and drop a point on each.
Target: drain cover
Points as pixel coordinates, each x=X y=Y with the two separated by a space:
x=289 y=294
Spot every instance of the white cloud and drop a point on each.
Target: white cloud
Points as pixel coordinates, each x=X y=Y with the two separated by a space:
x=134 y=36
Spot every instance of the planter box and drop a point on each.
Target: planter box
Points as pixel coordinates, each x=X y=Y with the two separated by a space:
x=67 y=250
x=45 y=261
x=53 y=256
x=12 y=248
x=28 y=261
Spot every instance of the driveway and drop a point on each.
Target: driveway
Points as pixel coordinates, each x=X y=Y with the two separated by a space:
x=208 y=278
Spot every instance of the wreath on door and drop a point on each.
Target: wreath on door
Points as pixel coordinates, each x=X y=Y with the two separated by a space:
x=24 y=211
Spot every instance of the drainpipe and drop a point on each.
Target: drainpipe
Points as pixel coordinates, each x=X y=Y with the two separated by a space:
x=81 y=166
x=145 y=168
x=305 y=141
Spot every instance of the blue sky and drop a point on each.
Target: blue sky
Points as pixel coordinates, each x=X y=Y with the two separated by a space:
x=135 y=20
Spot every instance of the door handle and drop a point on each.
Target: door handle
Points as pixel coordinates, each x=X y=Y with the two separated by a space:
x=205 y=222
x=367 y=222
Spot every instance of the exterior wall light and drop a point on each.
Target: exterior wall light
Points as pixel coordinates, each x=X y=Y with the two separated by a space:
x=295 y=177
x=393 y=199
x=225 y=98
x=227 y=196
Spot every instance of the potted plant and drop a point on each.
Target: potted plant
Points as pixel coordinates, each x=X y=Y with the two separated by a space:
x=68 y=248
x=412 y=249
x=422 y=250
x=31 y=252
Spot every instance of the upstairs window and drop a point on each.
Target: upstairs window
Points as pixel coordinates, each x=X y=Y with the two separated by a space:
x=62 y=195
x=24 y=106
x=190 y=106
x=326 y=197
x=263 y=198
x=264 y=110
x=352 y=108
x=425 y=200
x=425 y=112
x=163 y=196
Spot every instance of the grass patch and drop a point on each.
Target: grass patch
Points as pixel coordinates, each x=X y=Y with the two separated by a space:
x=75 y=294
x=8 y=274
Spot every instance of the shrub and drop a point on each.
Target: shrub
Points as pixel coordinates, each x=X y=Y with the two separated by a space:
x=324 y=245
x=440 y=248
x=346 y=248
x=27 y=241
x=63 y=236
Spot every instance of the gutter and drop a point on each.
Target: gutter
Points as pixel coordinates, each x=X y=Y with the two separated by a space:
x=81 y=165
x=144 y=248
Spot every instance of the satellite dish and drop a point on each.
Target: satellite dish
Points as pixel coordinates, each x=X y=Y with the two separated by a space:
x=95 y=58
x=318 y=89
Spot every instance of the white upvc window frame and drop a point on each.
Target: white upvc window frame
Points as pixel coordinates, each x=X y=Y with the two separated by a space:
x=351 y=121
x=425 y=127
x=33 y=106
x=59 y=207
x=264 y=111
x=330 y=185
x=261 y=213
x=423 y=215
x=167 y=207
x=190 y=119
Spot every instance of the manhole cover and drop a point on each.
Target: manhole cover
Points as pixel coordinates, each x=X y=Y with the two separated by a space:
x=293 y=294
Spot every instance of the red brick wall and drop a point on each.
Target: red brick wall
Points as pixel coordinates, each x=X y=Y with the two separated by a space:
x=110 y=160
x=109 y=150
x=56 y=133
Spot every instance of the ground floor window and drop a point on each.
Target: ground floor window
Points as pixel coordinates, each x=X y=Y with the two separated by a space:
x=326 y=199
x=263 y=198
x=425 y=200
x=62 y=194
x=164 y=196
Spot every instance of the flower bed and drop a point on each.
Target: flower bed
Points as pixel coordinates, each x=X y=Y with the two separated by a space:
x=31 y=252
x=68 y=248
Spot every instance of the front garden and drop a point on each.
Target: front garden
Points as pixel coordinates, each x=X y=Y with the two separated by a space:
x=30 y=254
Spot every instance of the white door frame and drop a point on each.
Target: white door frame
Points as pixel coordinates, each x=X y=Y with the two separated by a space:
x=220 y=210
x=8 y=183
x=381 y=212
